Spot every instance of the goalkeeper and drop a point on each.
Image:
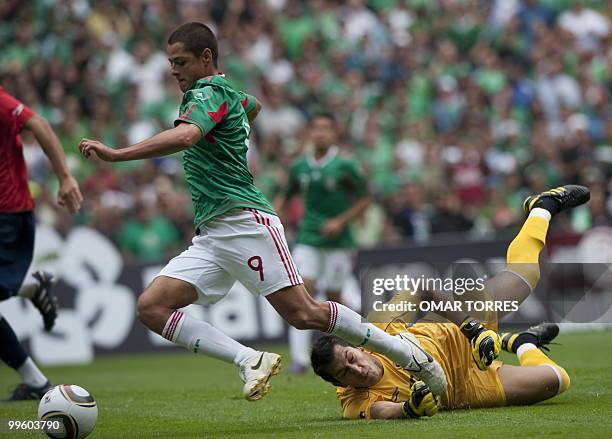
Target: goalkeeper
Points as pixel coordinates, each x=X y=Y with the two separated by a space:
x=369 y=385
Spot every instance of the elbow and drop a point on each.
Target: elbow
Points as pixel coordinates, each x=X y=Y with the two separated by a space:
x=188 y=136
x=184 y=142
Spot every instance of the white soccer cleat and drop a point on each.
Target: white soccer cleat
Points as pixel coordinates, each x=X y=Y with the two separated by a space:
x=424 y=366
x=256 y=372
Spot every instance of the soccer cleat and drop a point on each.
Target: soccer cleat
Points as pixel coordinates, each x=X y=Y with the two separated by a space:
x=540 y=335
x=566 y=196
x=43 y=299
x=23 y=392
x=423 y=366
x=256 y=372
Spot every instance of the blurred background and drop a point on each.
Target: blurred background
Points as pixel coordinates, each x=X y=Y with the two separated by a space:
x=456 y=109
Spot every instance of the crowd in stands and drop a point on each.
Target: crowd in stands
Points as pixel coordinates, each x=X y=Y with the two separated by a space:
x=456 y=109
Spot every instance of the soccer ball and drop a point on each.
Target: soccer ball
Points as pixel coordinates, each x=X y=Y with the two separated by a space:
x=69 y=411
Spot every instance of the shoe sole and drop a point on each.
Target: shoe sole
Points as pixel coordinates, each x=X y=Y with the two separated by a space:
x=552 y=331
x=261 y=388
x=49 y=314
x=531 y=200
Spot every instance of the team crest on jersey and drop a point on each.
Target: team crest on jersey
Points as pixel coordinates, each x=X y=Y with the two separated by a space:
x=204 y=94
x=330 y=184
x=304 y=180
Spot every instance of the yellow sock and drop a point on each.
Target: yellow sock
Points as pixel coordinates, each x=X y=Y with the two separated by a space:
x=524 y=251
x=529 y=355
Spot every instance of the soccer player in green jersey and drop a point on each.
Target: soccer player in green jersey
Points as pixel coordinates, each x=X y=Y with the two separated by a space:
x=334 y=192
x=238 y=235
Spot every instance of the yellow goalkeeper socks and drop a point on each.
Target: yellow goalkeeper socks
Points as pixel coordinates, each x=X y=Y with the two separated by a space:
x=524 y=251
x=529 y=355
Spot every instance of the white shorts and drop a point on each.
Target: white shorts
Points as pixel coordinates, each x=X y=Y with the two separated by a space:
x=244 y=245
x=328 y=268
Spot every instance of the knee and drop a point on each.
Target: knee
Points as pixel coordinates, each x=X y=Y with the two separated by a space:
x=558 y=382
x=564 y=379
x=148 y=311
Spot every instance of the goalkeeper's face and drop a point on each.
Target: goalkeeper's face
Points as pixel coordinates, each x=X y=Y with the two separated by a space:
x=354 y=367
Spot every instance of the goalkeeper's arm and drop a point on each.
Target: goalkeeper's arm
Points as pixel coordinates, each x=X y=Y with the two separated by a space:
x=421 y=403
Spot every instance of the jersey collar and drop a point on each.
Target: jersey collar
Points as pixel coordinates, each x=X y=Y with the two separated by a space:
x=218 y=79
x=331 y=153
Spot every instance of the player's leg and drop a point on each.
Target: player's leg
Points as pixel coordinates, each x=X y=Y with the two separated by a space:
x=336 y=271
x=16 y=249
x=253 y=249
x=523 y=271
x=34 y=383
x=538 y=377
x=310 y=261
x=158 y=310
x=192 y=277
x=334 y=267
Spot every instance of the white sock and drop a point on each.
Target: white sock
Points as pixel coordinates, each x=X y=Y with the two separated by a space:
x=31 y=374
x=201 y=337
x=28 y=289
x=347 y=324
x=524 y=347
x=540 y=213
x=299 y=346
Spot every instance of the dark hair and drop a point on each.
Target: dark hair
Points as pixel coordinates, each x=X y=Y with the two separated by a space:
x=196 y=37
x=323 y=354
x=323 y=115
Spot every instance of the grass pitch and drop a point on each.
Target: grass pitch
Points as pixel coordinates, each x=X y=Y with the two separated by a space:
x=181 y=395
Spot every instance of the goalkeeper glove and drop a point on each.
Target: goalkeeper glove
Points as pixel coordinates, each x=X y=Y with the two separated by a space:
x=421 y=403
x=485 y=343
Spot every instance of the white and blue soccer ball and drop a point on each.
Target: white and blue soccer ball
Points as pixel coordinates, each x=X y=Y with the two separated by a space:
x=69 y=412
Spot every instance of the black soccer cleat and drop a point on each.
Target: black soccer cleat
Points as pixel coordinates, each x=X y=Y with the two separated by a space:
x=24 y=392
x=566 y=197
x=540 y=335
x=44 y=300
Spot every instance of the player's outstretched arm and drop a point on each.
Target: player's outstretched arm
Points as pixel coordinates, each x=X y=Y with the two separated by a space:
x=167 y=142
x=421 y=403
x=69 y=195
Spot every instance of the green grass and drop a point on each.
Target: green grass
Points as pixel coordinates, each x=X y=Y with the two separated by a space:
x=181 y=395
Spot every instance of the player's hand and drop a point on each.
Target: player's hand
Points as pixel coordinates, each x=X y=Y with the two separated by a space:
x=485 y=343
x=106 y=153
x=69 y=194
x=332 y=227
x=421 y=403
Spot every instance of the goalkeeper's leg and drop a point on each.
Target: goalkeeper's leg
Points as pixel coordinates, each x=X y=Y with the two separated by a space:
x=522 y=272
x=537 y=378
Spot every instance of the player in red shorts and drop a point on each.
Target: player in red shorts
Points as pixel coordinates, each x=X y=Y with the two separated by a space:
x=17 y=233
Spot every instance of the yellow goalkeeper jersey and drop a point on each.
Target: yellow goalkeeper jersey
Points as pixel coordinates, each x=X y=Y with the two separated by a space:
x=467 y=385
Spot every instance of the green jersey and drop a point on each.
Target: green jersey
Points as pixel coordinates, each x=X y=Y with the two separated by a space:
x=216 y=167
x=329 y=187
